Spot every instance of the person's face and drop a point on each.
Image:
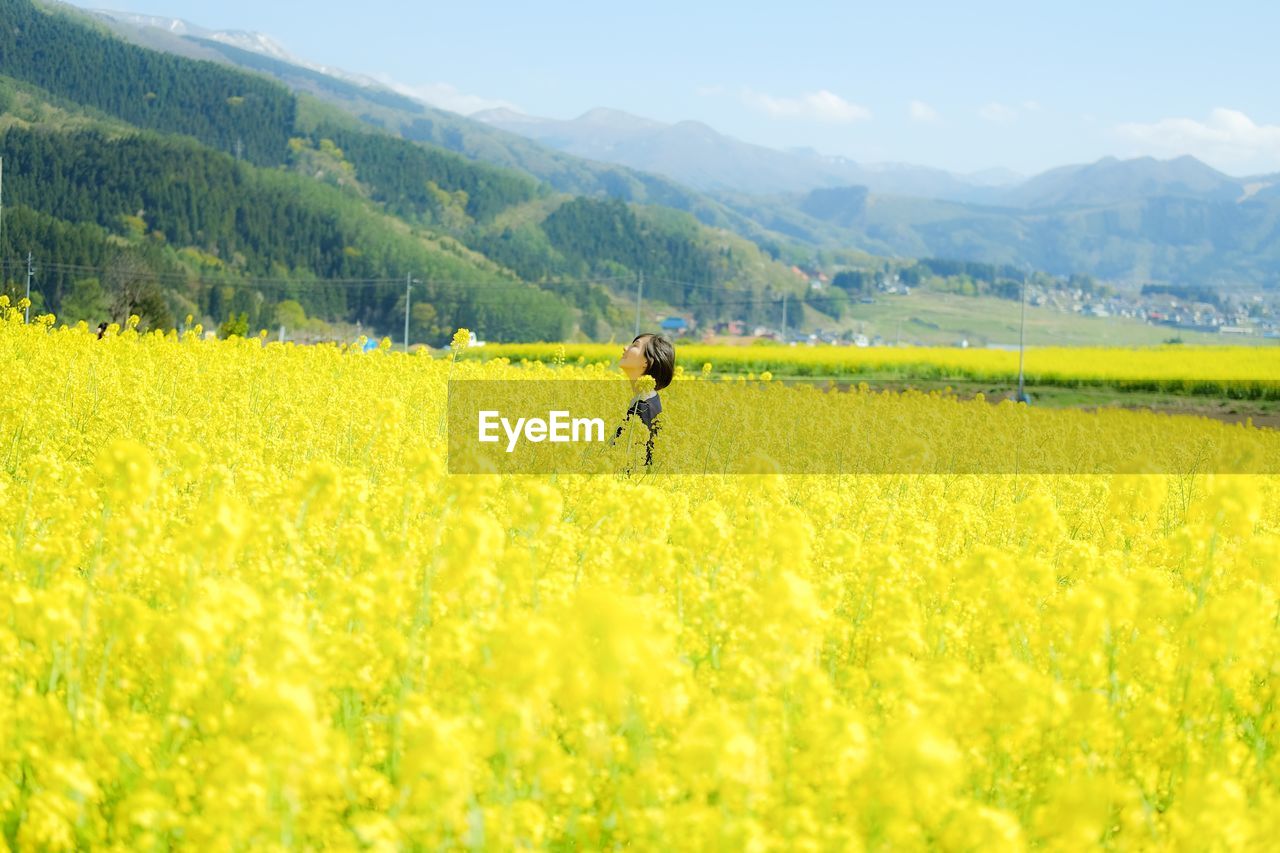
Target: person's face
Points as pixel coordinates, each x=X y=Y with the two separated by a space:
x=633 y=362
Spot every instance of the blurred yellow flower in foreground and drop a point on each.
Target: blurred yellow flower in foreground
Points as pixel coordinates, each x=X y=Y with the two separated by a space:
x=238 y=611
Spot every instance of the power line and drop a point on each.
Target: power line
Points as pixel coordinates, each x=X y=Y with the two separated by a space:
x=1 y=201
x=184 y=278
x=258 y=281
x=85 y=269
x=30 y=274
x=460 y=293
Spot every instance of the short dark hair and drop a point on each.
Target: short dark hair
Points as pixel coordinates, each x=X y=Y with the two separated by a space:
x=661 y=355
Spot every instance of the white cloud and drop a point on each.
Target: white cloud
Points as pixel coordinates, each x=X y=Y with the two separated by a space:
x=823 y=106
x=1031 y=106
x=920 y=111
x=998 y=113
x=1228 y=140
x=447 y=97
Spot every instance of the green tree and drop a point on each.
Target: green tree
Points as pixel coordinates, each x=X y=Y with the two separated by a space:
x=87 y=301
x=234 y=325
x=291 y=315
x=424 y=322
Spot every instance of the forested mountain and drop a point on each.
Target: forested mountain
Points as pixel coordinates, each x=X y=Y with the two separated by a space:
x=220 y=236
x=235 y=113
x=217 y=192
x=1113 y=181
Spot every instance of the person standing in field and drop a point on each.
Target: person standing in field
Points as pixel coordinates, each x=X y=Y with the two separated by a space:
x=649 y=354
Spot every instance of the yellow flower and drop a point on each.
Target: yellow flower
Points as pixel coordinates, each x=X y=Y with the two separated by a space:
x=244 y=603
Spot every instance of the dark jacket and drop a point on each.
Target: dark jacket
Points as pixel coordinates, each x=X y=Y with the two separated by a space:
x=647 y=410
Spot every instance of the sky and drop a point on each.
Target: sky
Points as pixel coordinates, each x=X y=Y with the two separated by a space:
x=963 y=86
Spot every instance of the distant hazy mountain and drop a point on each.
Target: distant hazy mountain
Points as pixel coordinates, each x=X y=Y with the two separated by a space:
x=698 y=155
x=1133 y=221
x=1109 y=181
x=996 y=177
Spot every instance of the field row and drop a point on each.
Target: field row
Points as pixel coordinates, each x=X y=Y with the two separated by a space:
x=1242 y=372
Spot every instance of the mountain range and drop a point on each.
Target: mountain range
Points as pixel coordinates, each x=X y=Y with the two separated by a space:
x=1131 y=222
x=689 y=152
x=698 y=156
x=701 y=157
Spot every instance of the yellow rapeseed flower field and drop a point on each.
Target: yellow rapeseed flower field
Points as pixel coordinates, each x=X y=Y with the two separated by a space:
x=1224 y=370
x=244 y=605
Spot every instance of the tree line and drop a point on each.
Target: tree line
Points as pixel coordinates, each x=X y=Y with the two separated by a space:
x=179 y=207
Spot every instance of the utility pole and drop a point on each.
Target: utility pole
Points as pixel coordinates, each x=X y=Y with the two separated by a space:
x=409 y=281
x=1022 y=325
x=30 y=273
x=639 y=291
x=3 y=255
x=784 y=318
